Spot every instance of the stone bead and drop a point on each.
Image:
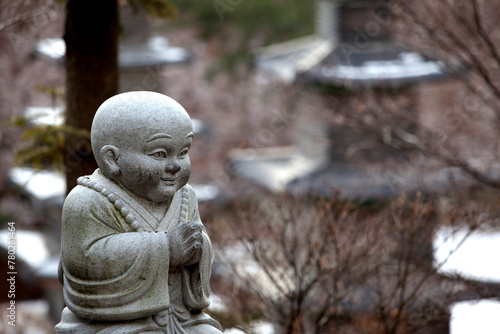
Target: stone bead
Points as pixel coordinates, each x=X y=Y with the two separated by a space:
x=119 y=204
x=124 y=210
x=130 y=219
x=112 y=198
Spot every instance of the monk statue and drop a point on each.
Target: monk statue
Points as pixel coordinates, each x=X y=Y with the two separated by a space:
x=135 y=256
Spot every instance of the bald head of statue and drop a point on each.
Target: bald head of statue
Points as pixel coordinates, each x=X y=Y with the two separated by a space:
x=141 y=140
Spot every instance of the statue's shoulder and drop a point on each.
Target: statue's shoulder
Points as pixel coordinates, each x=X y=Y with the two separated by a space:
x=190 y=195
x=81 y=193
x=189 y=189
x=83 y=197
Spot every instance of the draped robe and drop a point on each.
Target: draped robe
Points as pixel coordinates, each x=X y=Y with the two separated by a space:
x=115 y=268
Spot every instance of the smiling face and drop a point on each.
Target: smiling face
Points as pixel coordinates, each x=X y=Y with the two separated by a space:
x=143 y=140
x=157 y=164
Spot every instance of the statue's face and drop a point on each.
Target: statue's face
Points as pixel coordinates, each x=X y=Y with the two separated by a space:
x=154 y=162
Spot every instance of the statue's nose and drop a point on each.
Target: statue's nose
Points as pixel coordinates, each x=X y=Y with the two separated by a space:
x=173 y=167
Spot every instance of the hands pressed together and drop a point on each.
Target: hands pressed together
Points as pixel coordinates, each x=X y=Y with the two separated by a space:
x=186 y=241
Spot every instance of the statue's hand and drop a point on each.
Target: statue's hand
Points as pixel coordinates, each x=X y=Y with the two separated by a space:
x=185 y=241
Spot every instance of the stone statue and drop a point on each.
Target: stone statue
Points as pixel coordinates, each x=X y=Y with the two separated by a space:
x=135 y=256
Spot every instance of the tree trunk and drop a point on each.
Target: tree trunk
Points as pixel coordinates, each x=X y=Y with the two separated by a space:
x=91 y=36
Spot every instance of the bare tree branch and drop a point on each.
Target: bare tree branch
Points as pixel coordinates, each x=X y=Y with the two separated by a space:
x=21 y=17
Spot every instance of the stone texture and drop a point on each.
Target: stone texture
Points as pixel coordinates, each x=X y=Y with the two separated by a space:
x=135 y=255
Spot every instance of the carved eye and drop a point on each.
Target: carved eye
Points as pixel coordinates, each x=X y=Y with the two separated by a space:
x=183 y=153
x=159 y=155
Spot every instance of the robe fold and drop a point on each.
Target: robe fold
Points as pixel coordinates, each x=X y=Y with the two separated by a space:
x=115 y=264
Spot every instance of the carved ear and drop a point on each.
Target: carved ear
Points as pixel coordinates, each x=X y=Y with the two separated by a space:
x=109 y=155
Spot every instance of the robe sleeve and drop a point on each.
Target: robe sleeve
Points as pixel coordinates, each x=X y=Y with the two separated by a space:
x=110 y=273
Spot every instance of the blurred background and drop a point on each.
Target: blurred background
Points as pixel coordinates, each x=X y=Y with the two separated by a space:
x=345 y=154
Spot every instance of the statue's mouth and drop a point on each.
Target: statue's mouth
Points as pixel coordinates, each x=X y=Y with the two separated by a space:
x=169 y=179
